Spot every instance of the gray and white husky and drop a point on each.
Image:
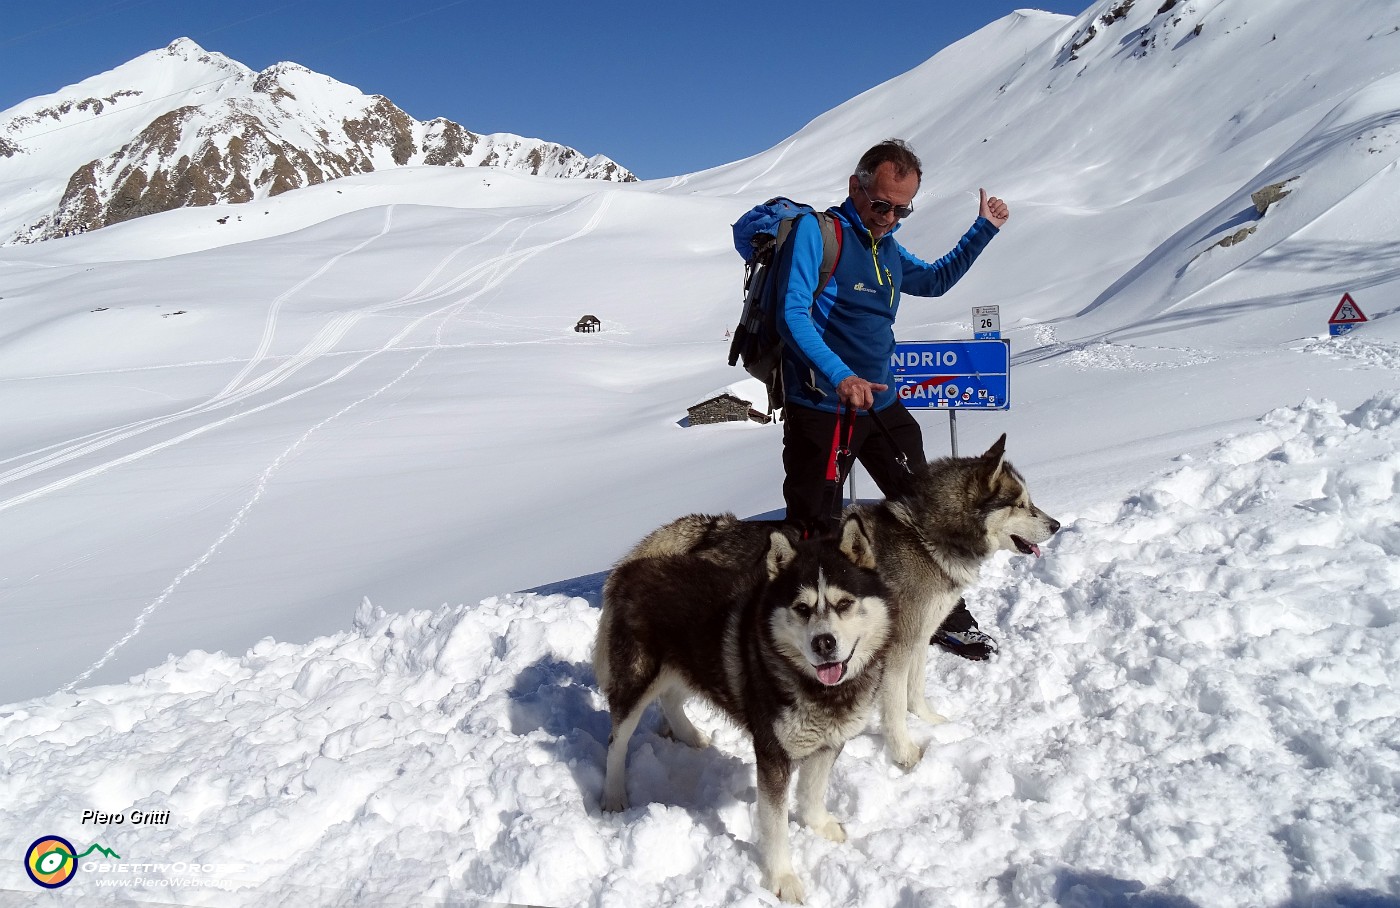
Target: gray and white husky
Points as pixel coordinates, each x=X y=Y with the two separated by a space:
x=929 y=545
x=788 y=638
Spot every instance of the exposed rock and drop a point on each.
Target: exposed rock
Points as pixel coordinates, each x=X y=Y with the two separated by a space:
x=386 y=126
x=267 y=84
x=1237 y=237
x=447 y=144
x=1084 y=39
x=1270 y=194
x=81 y=208
x=94 y=106
x=1118 y=12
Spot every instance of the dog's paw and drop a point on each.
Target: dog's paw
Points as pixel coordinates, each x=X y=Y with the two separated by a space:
x=690 y=737
x=699 y=740
x=829 y=828
x=787 y=887
x=906 y=756
x=616 y=803
x=932 y=718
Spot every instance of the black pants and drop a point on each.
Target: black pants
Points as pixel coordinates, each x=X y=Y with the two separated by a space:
x=807 y=436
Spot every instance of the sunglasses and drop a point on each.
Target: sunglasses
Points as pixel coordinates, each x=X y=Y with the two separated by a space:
x=882 y=208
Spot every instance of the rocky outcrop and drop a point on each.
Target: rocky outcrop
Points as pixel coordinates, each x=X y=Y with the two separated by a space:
x=265 y=134
x=1270 y=194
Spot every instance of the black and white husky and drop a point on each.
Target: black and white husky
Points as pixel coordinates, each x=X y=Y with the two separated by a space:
x=787 y=638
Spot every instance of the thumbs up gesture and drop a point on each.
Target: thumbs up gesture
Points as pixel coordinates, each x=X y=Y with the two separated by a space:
x=993 y=209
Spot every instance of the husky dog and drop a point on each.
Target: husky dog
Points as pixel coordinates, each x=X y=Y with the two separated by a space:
x=787 y=638
x=928 y=545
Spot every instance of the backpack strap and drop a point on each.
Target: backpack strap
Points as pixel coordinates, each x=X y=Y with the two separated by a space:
x=831 y=246
x=831 y=253
x=831 y=250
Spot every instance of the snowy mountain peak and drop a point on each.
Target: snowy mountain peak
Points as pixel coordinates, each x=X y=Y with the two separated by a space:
x=182 y=126
x=187 y=50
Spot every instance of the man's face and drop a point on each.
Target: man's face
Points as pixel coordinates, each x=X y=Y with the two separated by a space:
x=885 y=186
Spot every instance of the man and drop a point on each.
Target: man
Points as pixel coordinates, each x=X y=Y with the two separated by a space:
x=837 y=352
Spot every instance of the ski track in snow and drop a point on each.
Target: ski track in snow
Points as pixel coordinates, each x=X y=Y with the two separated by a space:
x=500 y=268
x=270 y=326
x=489 y=271
x=320 y=345
x=1104 y=355
x=1197 y=704
x=777 y=159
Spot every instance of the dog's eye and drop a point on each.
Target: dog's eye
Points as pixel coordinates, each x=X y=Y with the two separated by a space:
x=843 y=605
x=803 y=611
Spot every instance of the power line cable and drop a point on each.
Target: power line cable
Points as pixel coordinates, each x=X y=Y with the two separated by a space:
x=321 y=46
x=93 y=16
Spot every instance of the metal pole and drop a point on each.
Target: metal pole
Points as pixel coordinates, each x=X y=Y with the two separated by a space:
x=851 y=478
x=953 y=429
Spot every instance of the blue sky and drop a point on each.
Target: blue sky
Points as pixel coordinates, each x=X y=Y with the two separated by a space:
x=662 y=88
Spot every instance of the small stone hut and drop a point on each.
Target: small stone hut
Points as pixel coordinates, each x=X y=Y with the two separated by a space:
x=589 y=324
x=724 y=408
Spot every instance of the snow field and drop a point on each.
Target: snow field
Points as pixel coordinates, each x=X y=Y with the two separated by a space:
x=1196 y=700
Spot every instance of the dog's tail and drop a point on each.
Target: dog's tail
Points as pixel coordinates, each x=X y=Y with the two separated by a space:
x=682 y=536
x=600 y=668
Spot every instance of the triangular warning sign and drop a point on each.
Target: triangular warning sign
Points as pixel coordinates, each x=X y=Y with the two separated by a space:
x=1347 y=312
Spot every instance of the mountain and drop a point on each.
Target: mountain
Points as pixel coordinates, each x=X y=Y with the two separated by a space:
x=304 y=517
x=1131 y=141
x=182 y=127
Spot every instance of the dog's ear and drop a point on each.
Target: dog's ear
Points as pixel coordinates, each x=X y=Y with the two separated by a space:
x=856 y=543
x=994 y=459
x=780 y=553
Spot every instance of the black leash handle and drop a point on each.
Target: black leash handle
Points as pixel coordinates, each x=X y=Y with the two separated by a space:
x=900 y=457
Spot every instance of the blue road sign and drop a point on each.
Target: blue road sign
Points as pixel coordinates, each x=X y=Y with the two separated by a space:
x=946 y=375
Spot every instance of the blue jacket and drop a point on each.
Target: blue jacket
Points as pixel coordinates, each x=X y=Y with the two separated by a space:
x=850 y=329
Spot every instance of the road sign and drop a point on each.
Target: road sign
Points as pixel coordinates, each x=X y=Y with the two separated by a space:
x=1346 y=316
x=986 y=322
x=953 y=375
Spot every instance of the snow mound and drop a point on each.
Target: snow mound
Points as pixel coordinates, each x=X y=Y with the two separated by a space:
x=1196 y=703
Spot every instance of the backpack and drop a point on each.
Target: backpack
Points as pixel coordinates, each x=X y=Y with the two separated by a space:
x=758 y=236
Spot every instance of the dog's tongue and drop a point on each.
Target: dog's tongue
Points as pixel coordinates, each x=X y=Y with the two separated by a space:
x=1035 y=549
x=830 y=673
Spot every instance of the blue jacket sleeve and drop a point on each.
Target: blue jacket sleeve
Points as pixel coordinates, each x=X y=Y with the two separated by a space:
x=798 y=318
x=935 y=279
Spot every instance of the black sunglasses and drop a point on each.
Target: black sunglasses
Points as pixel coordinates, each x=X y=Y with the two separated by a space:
x=882 y=208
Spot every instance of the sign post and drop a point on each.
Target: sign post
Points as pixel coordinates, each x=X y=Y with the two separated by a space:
x=953 y=376
x=1346 y=316
x=986 y=322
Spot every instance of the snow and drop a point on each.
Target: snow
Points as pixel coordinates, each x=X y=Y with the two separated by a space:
x=1211 y=714
x=304 y=517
